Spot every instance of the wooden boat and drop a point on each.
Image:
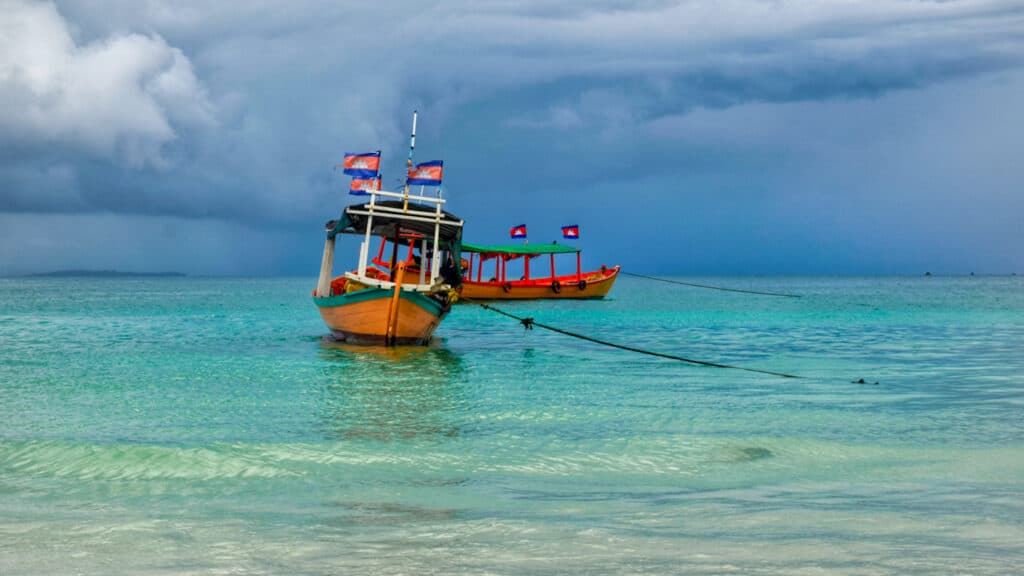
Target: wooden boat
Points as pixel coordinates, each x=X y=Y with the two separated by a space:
x=499 y=286
x=401 y=302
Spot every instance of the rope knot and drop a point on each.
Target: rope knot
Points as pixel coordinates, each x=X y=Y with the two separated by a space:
x=527 y=323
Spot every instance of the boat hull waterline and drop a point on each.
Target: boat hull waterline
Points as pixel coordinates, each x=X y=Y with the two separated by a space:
x=361 y=317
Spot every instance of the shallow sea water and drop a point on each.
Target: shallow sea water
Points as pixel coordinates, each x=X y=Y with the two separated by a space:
x=202 y=425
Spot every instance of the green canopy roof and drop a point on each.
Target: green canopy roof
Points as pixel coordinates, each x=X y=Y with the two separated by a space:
x=520 y=249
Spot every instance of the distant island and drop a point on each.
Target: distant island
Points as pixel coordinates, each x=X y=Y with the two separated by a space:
x=102 y=274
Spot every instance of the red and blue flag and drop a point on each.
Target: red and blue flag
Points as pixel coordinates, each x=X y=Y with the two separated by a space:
x=364 y=165
x=518 y=231
x=426 y=173
x=362 y=186
x=571 y=231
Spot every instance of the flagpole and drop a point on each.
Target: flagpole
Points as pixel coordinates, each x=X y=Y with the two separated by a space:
x=408 y=163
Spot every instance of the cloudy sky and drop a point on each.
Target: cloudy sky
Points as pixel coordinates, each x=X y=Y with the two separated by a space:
x=690 y=137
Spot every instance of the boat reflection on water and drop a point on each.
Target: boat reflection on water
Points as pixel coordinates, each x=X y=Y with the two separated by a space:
x=381 y=393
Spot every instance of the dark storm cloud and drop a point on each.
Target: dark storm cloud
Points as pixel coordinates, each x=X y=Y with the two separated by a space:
x=238 y=111
x=278 y=84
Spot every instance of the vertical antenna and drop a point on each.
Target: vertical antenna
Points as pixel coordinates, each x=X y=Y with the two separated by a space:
x=408 y=163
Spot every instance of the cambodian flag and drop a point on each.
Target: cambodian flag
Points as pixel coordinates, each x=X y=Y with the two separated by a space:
x=518 y=231
x=362 y=186
x=571 y=231
x=362 y=165
x=426 y=173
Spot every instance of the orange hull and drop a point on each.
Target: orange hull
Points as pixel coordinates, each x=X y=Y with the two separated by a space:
x=365 y=321
x=595 y=285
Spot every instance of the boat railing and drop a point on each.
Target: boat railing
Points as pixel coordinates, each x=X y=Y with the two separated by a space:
x=407 y=214
x=388 y=284
x=411 y=197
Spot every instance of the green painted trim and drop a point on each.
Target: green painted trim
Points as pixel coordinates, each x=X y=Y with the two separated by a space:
x=423 y=301
x=367 y=294
x=520 y=249
x=351 y=297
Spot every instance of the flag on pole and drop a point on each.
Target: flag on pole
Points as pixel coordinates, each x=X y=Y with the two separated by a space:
x=518 y=231
x=364 y=165
x=572 y=232
x=426 y=173
x=362 y=186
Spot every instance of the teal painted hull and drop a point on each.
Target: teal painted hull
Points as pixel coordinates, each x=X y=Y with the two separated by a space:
x=417 y=298
x=362 y=316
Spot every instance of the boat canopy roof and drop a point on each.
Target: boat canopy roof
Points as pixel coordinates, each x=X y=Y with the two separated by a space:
x=389 y=218
x=519 y=249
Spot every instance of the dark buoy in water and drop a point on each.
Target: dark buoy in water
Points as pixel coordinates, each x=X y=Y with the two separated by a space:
x=927 y=273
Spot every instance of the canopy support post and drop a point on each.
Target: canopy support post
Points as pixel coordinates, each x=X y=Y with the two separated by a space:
x=393 y=264
x=423 y=259
x=435 y=265
x=323 y=285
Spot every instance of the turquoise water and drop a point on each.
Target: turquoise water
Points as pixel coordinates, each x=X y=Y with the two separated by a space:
x=189 y=425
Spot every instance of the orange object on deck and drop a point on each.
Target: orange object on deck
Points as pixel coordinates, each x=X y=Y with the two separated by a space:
x=389 y=334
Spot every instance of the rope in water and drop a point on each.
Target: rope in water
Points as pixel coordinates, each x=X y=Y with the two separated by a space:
x=710 y=287
x=529 y=323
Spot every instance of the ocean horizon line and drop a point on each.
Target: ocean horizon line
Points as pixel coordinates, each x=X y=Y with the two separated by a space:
x=118 y=274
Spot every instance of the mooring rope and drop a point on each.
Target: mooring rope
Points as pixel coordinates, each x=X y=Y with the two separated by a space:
x=529 y=323
x=710 y=287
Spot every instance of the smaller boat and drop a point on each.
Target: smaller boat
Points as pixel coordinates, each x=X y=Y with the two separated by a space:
x=402 y=302
x=498 y=285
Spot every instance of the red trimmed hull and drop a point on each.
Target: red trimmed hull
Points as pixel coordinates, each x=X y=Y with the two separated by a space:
x=594 y=284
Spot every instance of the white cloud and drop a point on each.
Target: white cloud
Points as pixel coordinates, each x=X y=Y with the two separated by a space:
x=120 y=97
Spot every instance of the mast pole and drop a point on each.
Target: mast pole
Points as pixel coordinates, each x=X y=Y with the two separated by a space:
x=408 y=163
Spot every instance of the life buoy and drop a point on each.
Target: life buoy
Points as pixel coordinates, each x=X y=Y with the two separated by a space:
x=507 y=287
x=556 y=286
x=582 y=285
